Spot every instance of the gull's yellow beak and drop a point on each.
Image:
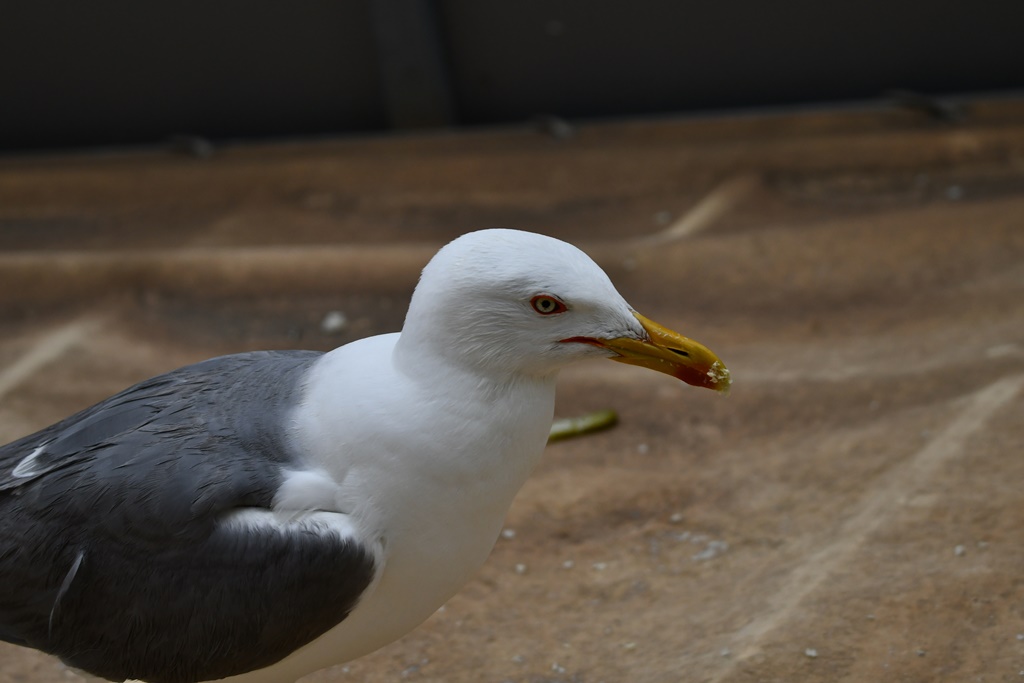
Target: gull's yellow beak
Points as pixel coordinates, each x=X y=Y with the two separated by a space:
x=672 y=353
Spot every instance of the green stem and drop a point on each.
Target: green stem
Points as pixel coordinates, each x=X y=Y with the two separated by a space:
x=568 y=427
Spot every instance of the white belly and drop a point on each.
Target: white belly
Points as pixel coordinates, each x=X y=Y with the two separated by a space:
x=413 y=585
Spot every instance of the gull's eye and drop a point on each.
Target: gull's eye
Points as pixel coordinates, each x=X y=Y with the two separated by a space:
x=547 y=305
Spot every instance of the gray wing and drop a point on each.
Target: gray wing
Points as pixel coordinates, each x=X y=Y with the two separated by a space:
x=112 y=554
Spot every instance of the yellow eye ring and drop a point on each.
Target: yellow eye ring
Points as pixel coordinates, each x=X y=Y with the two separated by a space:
x=545 y=304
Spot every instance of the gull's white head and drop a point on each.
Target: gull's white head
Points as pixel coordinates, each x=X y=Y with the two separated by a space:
x=513 y=302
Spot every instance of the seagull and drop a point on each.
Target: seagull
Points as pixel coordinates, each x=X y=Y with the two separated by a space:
x=257 y=517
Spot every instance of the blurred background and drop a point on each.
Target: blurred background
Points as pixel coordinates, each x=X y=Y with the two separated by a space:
x=828 y=194
x=118 y=72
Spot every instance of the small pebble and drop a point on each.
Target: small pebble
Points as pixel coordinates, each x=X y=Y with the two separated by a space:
x=509 y=533
x=192 y=145
x=334 y=322
x=1020 y=636
x=629 y=646
x=555 y=127
x=558 y=668
x=519 y=659
x=921 y=653
x=600 y=566
x=520 y=569
x=643 y=449
x=954 y=193
x=811 y=652
x=713 y=550
x=676 y=517
x=725 y=652
x=568 y=564
x=960 y=551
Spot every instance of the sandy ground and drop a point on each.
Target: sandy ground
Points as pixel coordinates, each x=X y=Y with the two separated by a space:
x=853 y=511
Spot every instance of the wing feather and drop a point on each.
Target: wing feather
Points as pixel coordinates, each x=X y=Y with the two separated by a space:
x=116 y=551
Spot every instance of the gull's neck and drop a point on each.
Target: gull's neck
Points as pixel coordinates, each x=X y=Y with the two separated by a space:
x=430 y=436
x=503 y=417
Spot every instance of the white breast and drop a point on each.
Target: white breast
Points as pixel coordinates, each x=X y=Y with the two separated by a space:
x=434 y=509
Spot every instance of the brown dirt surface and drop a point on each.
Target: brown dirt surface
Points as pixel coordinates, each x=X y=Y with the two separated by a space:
x=853 y=511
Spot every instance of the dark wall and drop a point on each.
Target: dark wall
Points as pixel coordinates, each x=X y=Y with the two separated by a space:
x=112 y=72
x=134 y=71
x=515 y=59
